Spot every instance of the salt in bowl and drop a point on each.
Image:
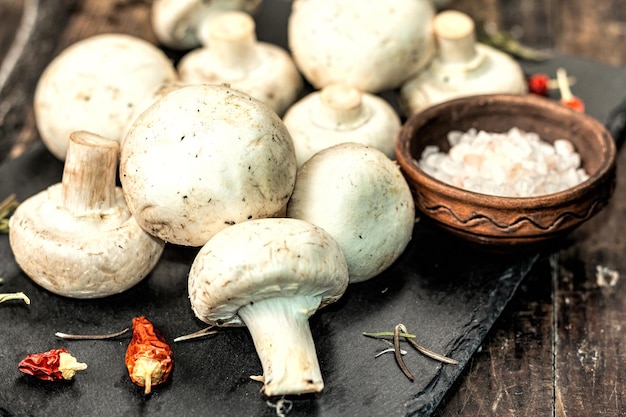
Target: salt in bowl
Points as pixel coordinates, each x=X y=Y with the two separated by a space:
x=508 y=221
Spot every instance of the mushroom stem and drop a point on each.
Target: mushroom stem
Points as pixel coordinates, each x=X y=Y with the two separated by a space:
x=282 y=337
x=456 y=41
x=232 y=37
x=340 y=108
x=89 y=174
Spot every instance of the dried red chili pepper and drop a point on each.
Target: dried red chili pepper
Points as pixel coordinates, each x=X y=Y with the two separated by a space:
x=567 y=98
x=53 y=365
x=149 y=359
x=539 y=84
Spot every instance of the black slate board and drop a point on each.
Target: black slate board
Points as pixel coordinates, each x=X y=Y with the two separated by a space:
x=442 y=289
x=446 y=291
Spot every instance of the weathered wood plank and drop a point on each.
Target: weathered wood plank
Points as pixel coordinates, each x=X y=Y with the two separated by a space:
x=512 y=374
x=577 y=27
x=591 y=312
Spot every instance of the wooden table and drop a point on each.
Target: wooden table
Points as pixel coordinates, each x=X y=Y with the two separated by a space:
x=557 y=348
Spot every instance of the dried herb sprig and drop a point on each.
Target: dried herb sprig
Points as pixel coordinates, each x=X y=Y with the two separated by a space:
x=400 y=331
x=397 y=354
x=90 y=336
x=195 y=335
x=14 y=296
x=7 y=207
x=508 y=43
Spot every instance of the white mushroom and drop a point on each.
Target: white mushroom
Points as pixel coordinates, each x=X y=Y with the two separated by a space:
x=77 y=238
x=461 y=67
x=271 y=275
x=372 y=45
x=360 y=197
x=94 y=85
x=234 y=56
x=204 y=157
x=337 y=114
x=178 y=24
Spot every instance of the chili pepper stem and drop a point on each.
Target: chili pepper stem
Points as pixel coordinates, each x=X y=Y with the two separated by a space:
x=68 y=365
x=146 y=369
x=563 y=84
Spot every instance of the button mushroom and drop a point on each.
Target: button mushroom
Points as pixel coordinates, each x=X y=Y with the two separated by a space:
x=461 y=67
x=337 y=114
x=372 y=45
x=360 y=197
x=204 y=157
x=271 y=275
x=234 y=56
x=77 y=238
x=94 y=85
x=178 y=24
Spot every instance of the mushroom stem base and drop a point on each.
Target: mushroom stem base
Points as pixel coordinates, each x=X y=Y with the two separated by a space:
x=282 y=337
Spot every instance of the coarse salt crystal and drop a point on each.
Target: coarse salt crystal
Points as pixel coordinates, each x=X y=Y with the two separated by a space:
x=511 y=164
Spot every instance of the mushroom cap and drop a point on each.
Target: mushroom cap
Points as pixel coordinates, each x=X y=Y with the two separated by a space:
x=204 y=157
x=491 y=72
x=360 y=197
x=94 y=85
x=262 y=259
x=338 y=114
x=372 y=45
x=234 y=56
x=177 y=23
x=90 y=256
x=462 y=67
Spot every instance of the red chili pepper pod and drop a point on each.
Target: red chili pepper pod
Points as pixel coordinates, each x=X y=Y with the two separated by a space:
x=53 y=365
x=539 y=84
x=567 y=98
x=149 y=359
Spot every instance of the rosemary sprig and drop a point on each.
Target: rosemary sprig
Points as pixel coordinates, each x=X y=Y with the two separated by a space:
x=399 y=332
x=90 y=336
x=507 y=43
x=380 y=335
x=7 y=207
x=195 y=335
x=14 y=296
x=398 y=354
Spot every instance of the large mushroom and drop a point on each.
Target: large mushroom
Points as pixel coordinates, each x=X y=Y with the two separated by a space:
x=359 y=196
x=202 y=158
x=180 y=24
x=339 y=113
x=372 y=45
x=77 y=238
x=234 y=56
x=95 y=85
x=271 y=275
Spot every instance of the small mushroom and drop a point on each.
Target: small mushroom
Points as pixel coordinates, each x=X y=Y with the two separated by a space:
x=234 y=56
x=95 y=85
x=461 y=67
x=271 y=275
x=77 y=238
x=204 y=157
x=337 y=114
x=372 y=45
x=359 y=196
x=178 y=24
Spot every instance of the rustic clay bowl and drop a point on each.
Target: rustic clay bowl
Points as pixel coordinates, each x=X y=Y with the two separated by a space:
x=508 y=221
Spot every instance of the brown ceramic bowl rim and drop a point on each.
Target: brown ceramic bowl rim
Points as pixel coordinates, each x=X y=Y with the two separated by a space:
x=409 y=163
